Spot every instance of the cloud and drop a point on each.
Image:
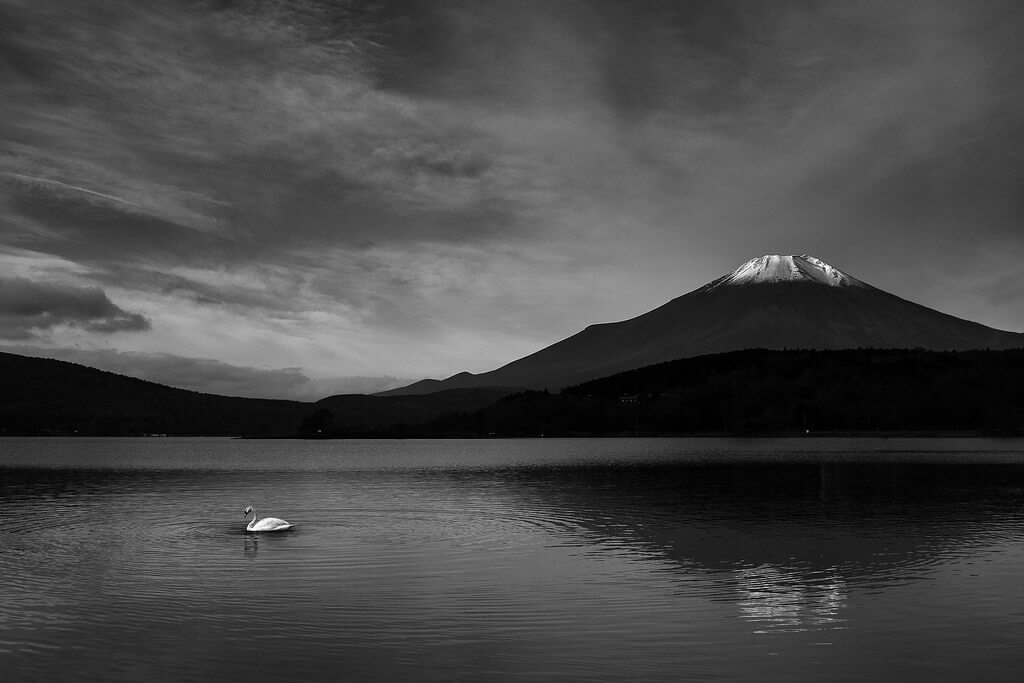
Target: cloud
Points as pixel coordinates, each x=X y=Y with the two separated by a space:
x=214 y=377
x=28 y=308
x=223 y=119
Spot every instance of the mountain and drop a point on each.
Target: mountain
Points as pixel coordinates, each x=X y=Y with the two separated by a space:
x=45 y=396
x=771 y=302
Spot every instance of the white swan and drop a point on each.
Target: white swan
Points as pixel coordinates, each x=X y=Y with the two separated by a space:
x=265 y=524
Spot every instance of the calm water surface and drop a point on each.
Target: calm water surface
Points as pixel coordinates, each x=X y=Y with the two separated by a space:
x=127 y=559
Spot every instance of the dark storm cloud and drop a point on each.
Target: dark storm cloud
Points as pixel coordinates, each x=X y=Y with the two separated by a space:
x=485 y=177
x=28 y=308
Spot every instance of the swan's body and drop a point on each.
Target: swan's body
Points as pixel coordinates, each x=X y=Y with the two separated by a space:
x=265 y=524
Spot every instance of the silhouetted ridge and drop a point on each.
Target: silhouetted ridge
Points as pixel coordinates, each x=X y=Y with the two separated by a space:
x=44 y=396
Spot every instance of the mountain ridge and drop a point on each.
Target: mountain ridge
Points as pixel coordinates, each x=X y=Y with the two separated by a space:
x=44 y=396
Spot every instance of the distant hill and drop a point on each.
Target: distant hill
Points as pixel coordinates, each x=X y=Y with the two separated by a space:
x=771 y=302
x=45 y=396
x=766 y=391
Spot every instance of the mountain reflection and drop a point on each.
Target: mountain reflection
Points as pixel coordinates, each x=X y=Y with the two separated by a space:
x=785 y=542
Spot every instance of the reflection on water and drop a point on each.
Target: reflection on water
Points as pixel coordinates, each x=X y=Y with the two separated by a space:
x=775 y=598
x=764 y=563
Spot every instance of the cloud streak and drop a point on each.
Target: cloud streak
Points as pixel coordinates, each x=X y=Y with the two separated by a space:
x=73 y=188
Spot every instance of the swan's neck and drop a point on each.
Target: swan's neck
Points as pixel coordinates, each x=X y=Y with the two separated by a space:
x=255 y=516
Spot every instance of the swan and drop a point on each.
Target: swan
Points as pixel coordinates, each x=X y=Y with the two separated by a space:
x=265 y=524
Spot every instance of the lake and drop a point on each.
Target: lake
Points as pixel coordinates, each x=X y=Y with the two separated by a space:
x=638 y=559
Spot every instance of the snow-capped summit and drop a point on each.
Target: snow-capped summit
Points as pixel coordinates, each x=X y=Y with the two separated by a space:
x=777 y=268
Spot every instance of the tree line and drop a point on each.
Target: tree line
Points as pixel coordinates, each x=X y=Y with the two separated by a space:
x=771 y=392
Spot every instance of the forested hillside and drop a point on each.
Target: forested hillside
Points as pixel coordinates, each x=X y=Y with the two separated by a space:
x=761 y=391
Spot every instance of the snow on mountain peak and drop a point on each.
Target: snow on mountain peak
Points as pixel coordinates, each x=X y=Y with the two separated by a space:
x=777 y=268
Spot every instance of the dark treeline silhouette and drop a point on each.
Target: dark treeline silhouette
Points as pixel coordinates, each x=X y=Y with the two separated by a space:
x=761 y=391
x=362 y=415
x=741 y=392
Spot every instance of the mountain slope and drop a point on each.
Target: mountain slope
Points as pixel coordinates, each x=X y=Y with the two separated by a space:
x=771 y=302
x=45 y=396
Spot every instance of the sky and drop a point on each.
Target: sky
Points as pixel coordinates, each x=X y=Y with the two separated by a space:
x=294 y=199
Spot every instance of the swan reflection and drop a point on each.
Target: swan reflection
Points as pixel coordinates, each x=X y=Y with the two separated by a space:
x=250 y=546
